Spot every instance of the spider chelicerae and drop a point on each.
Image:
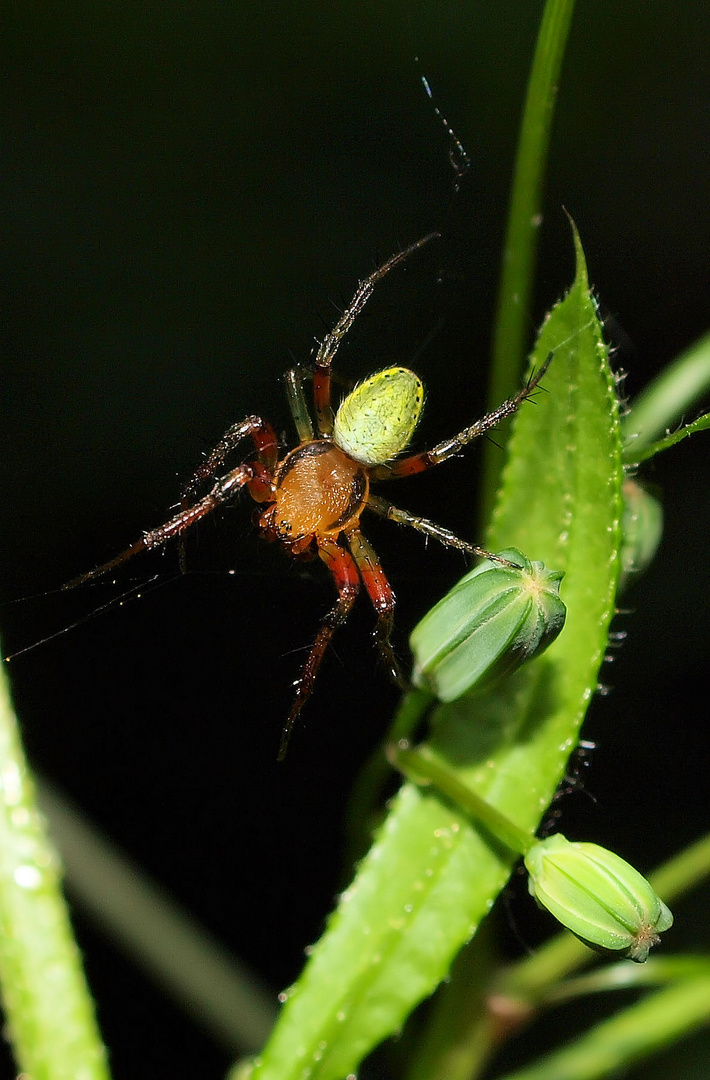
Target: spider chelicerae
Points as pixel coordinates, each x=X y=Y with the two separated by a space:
x=313 y=498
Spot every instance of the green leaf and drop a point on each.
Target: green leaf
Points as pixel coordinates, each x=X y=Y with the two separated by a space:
x=48 y=1011
x=430 y=877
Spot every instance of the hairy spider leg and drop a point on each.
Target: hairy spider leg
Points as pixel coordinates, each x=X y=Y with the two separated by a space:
x=427 y=459
x=429 y=528
x=331 y=342
x=222 y=490
x=267 y=451
x=347 y=580
x=383 y=600
x=265 y=442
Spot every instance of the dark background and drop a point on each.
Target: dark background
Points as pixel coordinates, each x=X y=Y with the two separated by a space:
x=187 y=191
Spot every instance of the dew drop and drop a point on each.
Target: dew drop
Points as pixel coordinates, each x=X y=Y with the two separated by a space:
x=27 y=877
x=11 y=783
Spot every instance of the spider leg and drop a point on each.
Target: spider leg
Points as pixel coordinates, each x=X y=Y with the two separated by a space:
x=264 y=438
x=295 y=379
x=380 y=592
x=416 y=463
x=429 y=528
x=331 y=342
x=344 y=570
x=177 y=525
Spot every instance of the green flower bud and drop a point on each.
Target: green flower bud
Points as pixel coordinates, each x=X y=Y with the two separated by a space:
x=598 y=896
x=641 y=529
x=491 y=622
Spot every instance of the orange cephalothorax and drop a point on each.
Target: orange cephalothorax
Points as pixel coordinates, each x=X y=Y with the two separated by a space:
x=320 y=491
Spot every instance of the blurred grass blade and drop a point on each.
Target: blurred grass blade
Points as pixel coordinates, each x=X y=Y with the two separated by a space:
x=162 y=938
x=430 y=877
x=632 y=1035
x=49 y=1014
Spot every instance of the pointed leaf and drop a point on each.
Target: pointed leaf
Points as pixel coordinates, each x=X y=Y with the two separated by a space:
x=430 y=878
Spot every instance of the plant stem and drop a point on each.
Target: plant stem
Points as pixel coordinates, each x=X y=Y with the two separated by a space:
x=664 y=401
x=421 y=765
x=631 y=1035
x=524 y=218
x=366 y=795
x=48 y=1008
x=166 y=941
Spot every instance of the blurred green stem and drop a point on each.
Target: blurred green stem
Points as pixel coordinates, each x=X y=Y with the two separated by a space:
x=164 y=940
x=366 y=796
x=524 y=218
x=631 y=1035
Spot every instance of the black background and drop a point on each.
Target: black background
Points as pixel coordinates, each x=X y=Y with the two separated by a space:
x=187 y=192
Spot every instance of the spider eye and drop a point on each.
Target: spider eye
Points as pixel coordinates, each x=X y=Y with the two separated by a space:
x=377 y=420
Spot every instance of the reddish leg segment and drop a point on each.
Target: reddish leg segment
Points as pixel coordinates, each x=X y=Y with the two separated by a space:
x=380 y=592
x=331 y=342
x=267 y=449
x=416 y=463
x=344 y=570
x=264 y=438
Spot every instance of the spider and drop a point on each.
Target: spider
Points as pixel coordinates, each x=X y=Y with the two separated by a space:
x=313 y=498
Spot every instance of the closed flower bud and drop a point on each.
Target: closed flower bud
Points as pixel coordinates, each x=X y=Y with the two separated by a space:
x=493 y=620
x=598 y=896
x=641 y=530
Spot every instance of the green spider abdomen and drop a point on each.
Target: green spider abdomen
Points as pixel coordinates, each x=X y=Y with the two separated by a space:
x=377 y=420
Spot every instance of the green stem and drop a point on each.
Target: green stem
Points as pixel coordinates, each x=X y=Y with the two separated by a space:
x=167 y=942
x=635 y=455
x=421 y=765
x=665 y=400
x=48 y=1009
x=624 y=976
x=524 y=217
x=631 y=1035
